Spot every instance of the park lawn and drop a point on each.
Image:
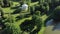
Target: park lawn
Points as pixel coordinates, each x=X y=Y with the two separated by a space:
x=8 y=10
x=44 y=17
x=22 y=20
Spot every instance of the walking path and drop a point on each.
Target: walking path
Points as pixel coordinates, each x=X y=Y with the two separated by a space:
x=52 y=29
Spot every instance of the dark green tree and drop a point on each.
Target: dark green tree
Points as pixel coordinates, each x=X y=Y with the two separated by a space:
x=11 y=28
x=32 y=10
x=2 y=18
x=6 y=3
x=44 y=8
x=37 y=21
x=1 y=12
x=53 y=3
x=56 y=13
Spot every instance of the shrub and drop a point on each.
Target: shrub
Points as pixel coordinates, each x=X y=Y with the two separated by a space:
x=37 y=21
x=11 y=28
x=37 y=13
x=34 y=0
x=0 y=2
x=53 y=3
x=41 y=1
x=44 y=8
x=32 y=10
x=27 y=26
x=56 y=13
x=1 y=12
x=5 y=3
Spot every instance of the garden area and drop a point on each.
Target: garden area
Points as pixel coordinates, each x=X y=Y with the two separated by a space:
x=26 y=16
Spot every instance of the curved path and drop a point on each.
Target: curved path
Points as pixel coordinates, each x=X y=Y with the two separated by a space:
x=52 y=29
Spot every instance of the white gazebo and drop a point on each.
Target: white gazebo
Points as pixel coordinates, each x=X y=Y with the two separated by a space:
x=24 y=7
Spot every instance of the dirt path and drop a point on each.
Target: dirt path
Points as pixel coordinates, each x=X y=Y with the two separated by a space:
x=49 y=30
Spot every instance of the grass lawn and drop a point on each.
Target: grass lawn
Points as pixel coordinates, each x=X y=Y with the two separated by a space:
x=8 y=10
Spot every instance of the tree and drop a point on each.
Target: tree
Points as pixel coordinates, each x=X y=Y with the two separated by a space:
x=53 y=3
x=1 y=12
x=32 y=10
x=6 y=3
x=0 y=2
x=44 y=8
x=2 y=18
x=11 y=26
x=37 y=21
x=56 y=13
x=41 y=2
x=28 y=2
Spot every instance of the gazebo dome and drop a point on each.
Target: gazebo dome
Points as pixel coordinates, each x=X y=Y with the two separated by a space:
x=24 y=7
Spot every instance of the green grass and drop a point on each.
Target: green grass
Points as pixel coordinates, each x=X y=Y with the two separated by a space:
x=8 y=10
x=22 y=20
x=33 y=3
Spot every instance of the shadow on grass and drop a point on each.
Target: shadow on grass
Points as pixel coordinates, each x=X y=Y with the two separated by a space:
x=17 y=11
x=15 y=7
x=29 y=25
x=16 y=0
x=50 y=17
x=22 y=16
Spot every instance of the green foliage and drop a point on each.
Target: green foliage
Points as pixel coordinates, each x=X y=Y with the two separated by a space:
x=27 y=26
x=23 y=16
x=44 y=8
x=56 y=13
x=0 y=2
x=1 y=12
x=11 y=3
x=38 y=13
x=36 y=18
x=32 y=9
x=37 y=21
x=53 y=3
x=10 y=19
x=28 y=2
x=41 y=1
x=12 y=28
x=5 y=3
x=34 y=0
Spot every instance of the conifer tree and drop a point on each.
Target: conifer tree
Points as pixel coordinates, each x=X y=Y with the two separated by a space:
x=1 y=13
x=37 y=21
x=32 y=10
x=6 y=3
x=56 y=13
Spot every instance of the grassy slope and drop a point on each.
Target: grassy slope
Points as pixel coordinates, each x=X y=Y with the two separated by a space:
x=44 y=17
x=7 y=10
